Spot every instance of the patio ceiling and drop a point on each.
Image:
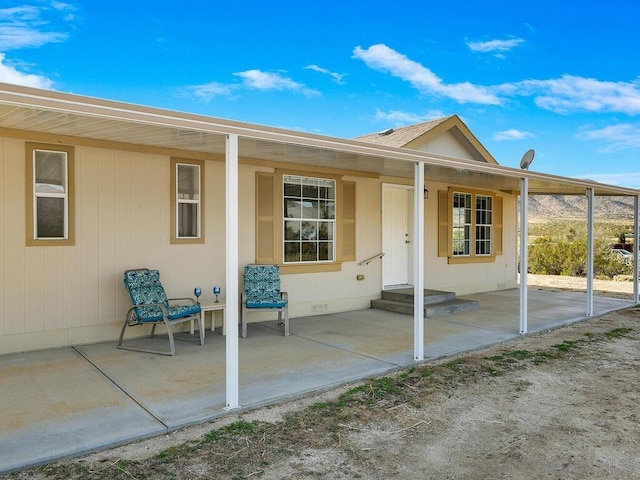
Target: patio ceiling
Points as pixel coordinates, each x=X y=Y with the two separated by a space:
x=27 y=109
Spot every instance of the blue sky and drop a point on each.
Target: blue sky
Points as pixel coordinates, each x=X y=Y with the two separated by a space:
x=560 y=77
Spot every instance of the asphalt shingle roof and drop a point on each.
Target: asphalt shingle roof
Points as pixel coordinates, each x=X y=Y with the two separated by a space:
x=399 y=137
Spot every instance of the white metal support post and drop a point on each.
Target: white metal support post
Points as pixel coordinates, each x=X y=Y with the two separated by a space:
x=231 y=224
x=590 y=199
x=636 y=252
x=524 y=252
x=418 y=260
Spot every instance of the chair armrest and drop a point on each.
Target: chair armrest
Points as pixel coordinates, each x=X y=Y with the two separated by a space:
x=131 y=311
x=284 y=296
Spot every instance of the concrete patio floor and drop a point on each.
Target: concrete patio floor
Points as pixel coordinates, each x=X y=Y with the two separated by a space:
x=65 y=402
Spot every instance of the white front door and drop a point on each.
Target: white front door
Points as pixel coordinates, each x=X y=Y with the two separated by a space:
x=396 y=235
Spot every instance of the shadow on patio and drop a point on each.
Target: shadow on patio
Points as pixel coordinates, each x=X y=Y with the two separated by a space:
x=65 y=402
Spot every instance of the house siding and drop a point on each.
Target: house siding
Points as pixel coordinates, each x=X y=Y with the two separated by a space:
x=468 y=278
x=54 y=296
x=444 y=144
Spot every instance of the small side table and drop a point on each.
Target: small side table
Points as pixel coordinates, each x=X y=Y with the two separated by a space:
x=212 y=307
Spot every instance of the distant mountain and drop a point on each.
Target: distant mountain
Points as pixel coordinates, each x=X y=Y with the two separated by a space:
x=542 y=208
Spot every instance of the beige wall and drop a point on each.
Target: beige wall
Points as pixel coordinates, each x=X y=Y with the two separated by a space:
x=57 y=296
x=470 y=278
x=53 y=296
x=317 y=293
x=445 y=144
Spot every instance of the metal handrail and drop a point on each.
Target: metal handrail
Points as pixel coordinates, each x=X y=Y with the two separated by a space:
x=371 y=259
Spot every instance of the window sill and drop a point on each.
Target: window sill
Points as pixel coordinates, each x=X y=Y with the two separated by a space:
x=187 y=241
x=63 y=242
x=310 y=268
x=471 y=259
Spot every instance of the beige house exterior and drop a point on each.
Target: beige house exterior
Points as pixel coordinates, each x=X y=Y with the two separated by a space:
x=125 y=167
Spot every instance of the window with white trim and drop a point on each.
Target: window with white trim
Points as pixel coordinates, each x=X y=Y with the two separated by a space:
x=484 y=224
x=472 y=224
x=461 y=224
x=50 y=195
x=309 y=219
x=188 y=209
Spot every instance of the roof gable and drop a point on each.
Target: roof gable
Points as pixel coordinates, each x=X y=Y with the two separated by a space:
x=416 y=136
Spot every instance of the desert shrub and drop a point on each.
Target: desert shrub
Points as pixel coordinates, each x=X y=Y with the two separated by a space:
x=570 y=258
x=545 y=257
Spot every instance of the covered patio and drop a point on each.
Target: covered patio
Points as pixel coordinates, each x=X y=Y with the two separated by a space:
x=65 y=402
x=28 y=114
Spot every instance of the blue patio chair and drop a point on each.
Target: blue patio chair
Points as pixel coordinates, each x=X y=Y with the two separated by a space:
x=152 y=307
x=262 y=292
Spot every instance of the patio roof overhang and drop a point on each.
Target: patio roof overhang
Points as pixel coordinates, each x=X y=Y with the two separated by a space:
x=123 y=125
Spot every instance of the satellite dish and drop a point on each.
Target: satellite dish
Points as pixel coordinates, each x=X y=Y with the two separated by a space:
x=527 y=158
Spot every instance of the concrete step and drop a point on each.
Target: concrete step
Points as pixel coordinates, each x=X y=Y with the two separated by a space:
x=405 y=295
x=392 y=306
x=456 y=306
x=431 y=310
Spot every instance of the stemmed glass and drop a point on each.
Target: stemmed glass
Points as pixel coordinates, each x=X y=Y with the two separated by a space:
x=197 y=292
x=216 y=292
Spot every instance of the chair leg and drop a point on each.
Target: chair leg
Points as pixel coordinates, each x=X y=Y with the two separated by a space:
x=285 y=324
x=244 y=320
x=286 y=321
x=170 y=333
x=124 y=327
x=201 y=323
x=146 y=350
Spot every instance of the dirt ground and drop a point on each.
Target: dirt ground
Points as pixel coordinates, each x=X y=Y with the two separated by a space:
x=564 y=404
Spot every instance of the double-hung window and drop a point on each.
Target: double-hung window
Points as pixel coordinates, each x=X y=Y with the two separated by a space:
x=484 y=224
x=469 y=225
x=187 y=201
x=309 y=219
x=50 y=200
x=472 y=214
x=461 y=224
x=305 y=223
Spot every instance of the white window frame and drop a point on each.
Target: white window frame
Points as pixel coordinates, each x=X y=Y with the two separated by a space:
x=462 y=244
x=192 y=201
x=486 y=225
x=64 y=195
x=472 y=224
x=310 y=181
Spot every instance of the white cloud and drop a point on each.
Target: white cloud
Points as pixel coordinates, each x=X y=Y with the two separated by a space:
x=259 y=80
x=570 y=93
x=511 y=134
x=382 y=58
x=251 y=80
x=9 y=74
x=14 y=37
x=566 y=94
x=406 y=118
x=623 y=136
x=209 y=90
x=495 y=45
x=337 y=77
x=31 y=26
x=67 y=8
